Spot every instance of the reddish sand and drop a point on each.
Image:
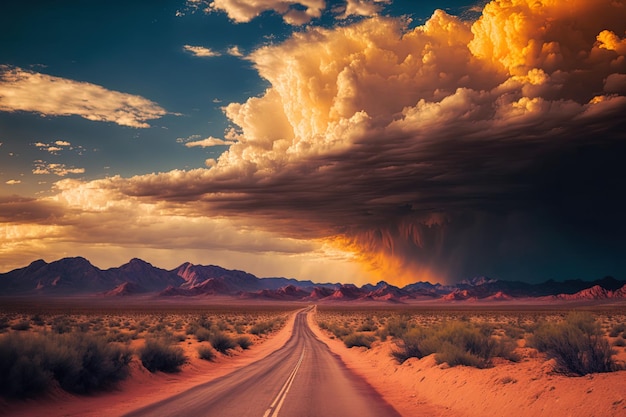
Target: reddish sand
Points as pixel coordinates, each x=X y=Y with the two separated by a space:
x=528 y=388
x=142 y=387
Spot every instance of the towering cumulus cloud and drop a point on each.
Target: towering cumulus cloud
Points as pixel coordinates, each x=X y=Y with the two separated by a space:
x=440 y=152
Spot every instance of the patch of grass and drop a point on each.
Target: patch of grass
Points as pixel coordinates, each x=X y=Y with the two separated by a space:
x=577 y=345
x=161 y=355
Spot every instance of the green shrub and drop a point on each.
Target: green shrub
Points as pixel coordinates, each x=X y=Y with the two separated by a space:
x=161 y=355
x=206 y=353
x=221 y=342
x=576 y=344
x=358 y=339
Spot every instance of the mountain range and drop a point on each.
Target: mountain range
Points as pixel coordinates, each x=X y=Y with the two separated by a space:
x=77 y=276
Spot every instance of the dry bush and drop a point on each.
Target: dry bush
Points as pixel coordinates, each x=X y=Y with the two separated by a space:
x=206 y=353
x=359 y=339
x=222 y=342
x=80 y=363
x=159 y=354
x=456 y=343
x=576 y=343
x=244 y=342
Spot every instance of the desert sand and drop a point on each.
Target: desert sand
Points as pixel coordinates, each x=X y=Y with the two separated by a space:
x=528 y=388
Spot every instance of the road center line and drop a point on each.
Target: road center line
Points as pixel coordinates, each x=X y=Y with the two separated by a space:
x=282 y=394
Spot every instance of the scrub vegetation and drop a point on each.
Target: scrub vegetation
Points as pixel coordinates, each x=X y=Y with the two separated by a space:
x=580 y=343
x=91 y=349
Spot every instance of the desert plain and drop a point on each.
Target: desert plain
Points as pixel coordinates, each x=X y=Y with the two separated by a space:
x=486 y=359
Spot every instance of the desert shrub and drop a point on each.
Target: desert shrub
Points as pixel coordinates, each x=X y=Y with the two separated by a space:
x=617 y=329
x=84 y=363
x=221 y=342
x=80 y=363
x=358 y=339
x=206 y=353
x=397 y=326
x=576 y=344
x=619 y=342
x=61 y=325
x=21 y=372
x=262 y=327
x=202 y=334
x=161 y=355
x=37 y=320
x=192 y=328
x=223 y=325
x=118 y=336
x=456 y=343
x=244 y=342
x=367 y=326
x=21 y=325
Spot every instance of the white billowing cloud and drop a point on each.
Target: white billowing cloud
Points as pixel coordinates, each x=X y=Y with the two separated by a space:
x=242 y=11
x=60 y=170
x=209 y=142
x=201 y=51
x=13 y=182
x=22 y=90
x=62 y=143
x=363 y=8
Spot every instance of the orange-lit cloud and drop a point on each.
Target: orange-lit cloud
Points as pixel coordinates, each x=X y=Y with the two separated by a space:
x=434 y=153
x=22 y=90
x=245 y=10
x=200 y=51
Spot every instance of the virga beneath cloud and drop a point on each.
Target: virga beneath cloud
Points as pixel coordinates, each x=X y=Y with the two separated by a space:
x=451 y=149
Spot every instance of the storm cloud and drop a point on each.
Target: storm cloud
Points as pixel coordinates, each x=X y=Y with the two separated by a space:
x=438 y=152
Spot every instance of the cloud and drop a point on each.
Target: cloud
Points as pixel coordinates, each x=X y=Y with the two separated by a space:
x=13 y=182
x=294 y=12
x=60 y=170
x=22 y=90
x=362 y=8
x=440 y=152
x=209 y=142
x=62 y=143
x=200 y=51
x=234 y=51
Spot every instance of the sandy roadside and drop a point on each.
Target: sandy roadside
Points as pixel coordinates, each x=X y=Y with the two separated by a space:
x=528 y=388
x=142 y=387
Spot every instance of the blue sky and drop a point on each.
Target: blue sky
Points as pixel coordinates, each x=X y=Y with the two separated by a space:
x=350 y=140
